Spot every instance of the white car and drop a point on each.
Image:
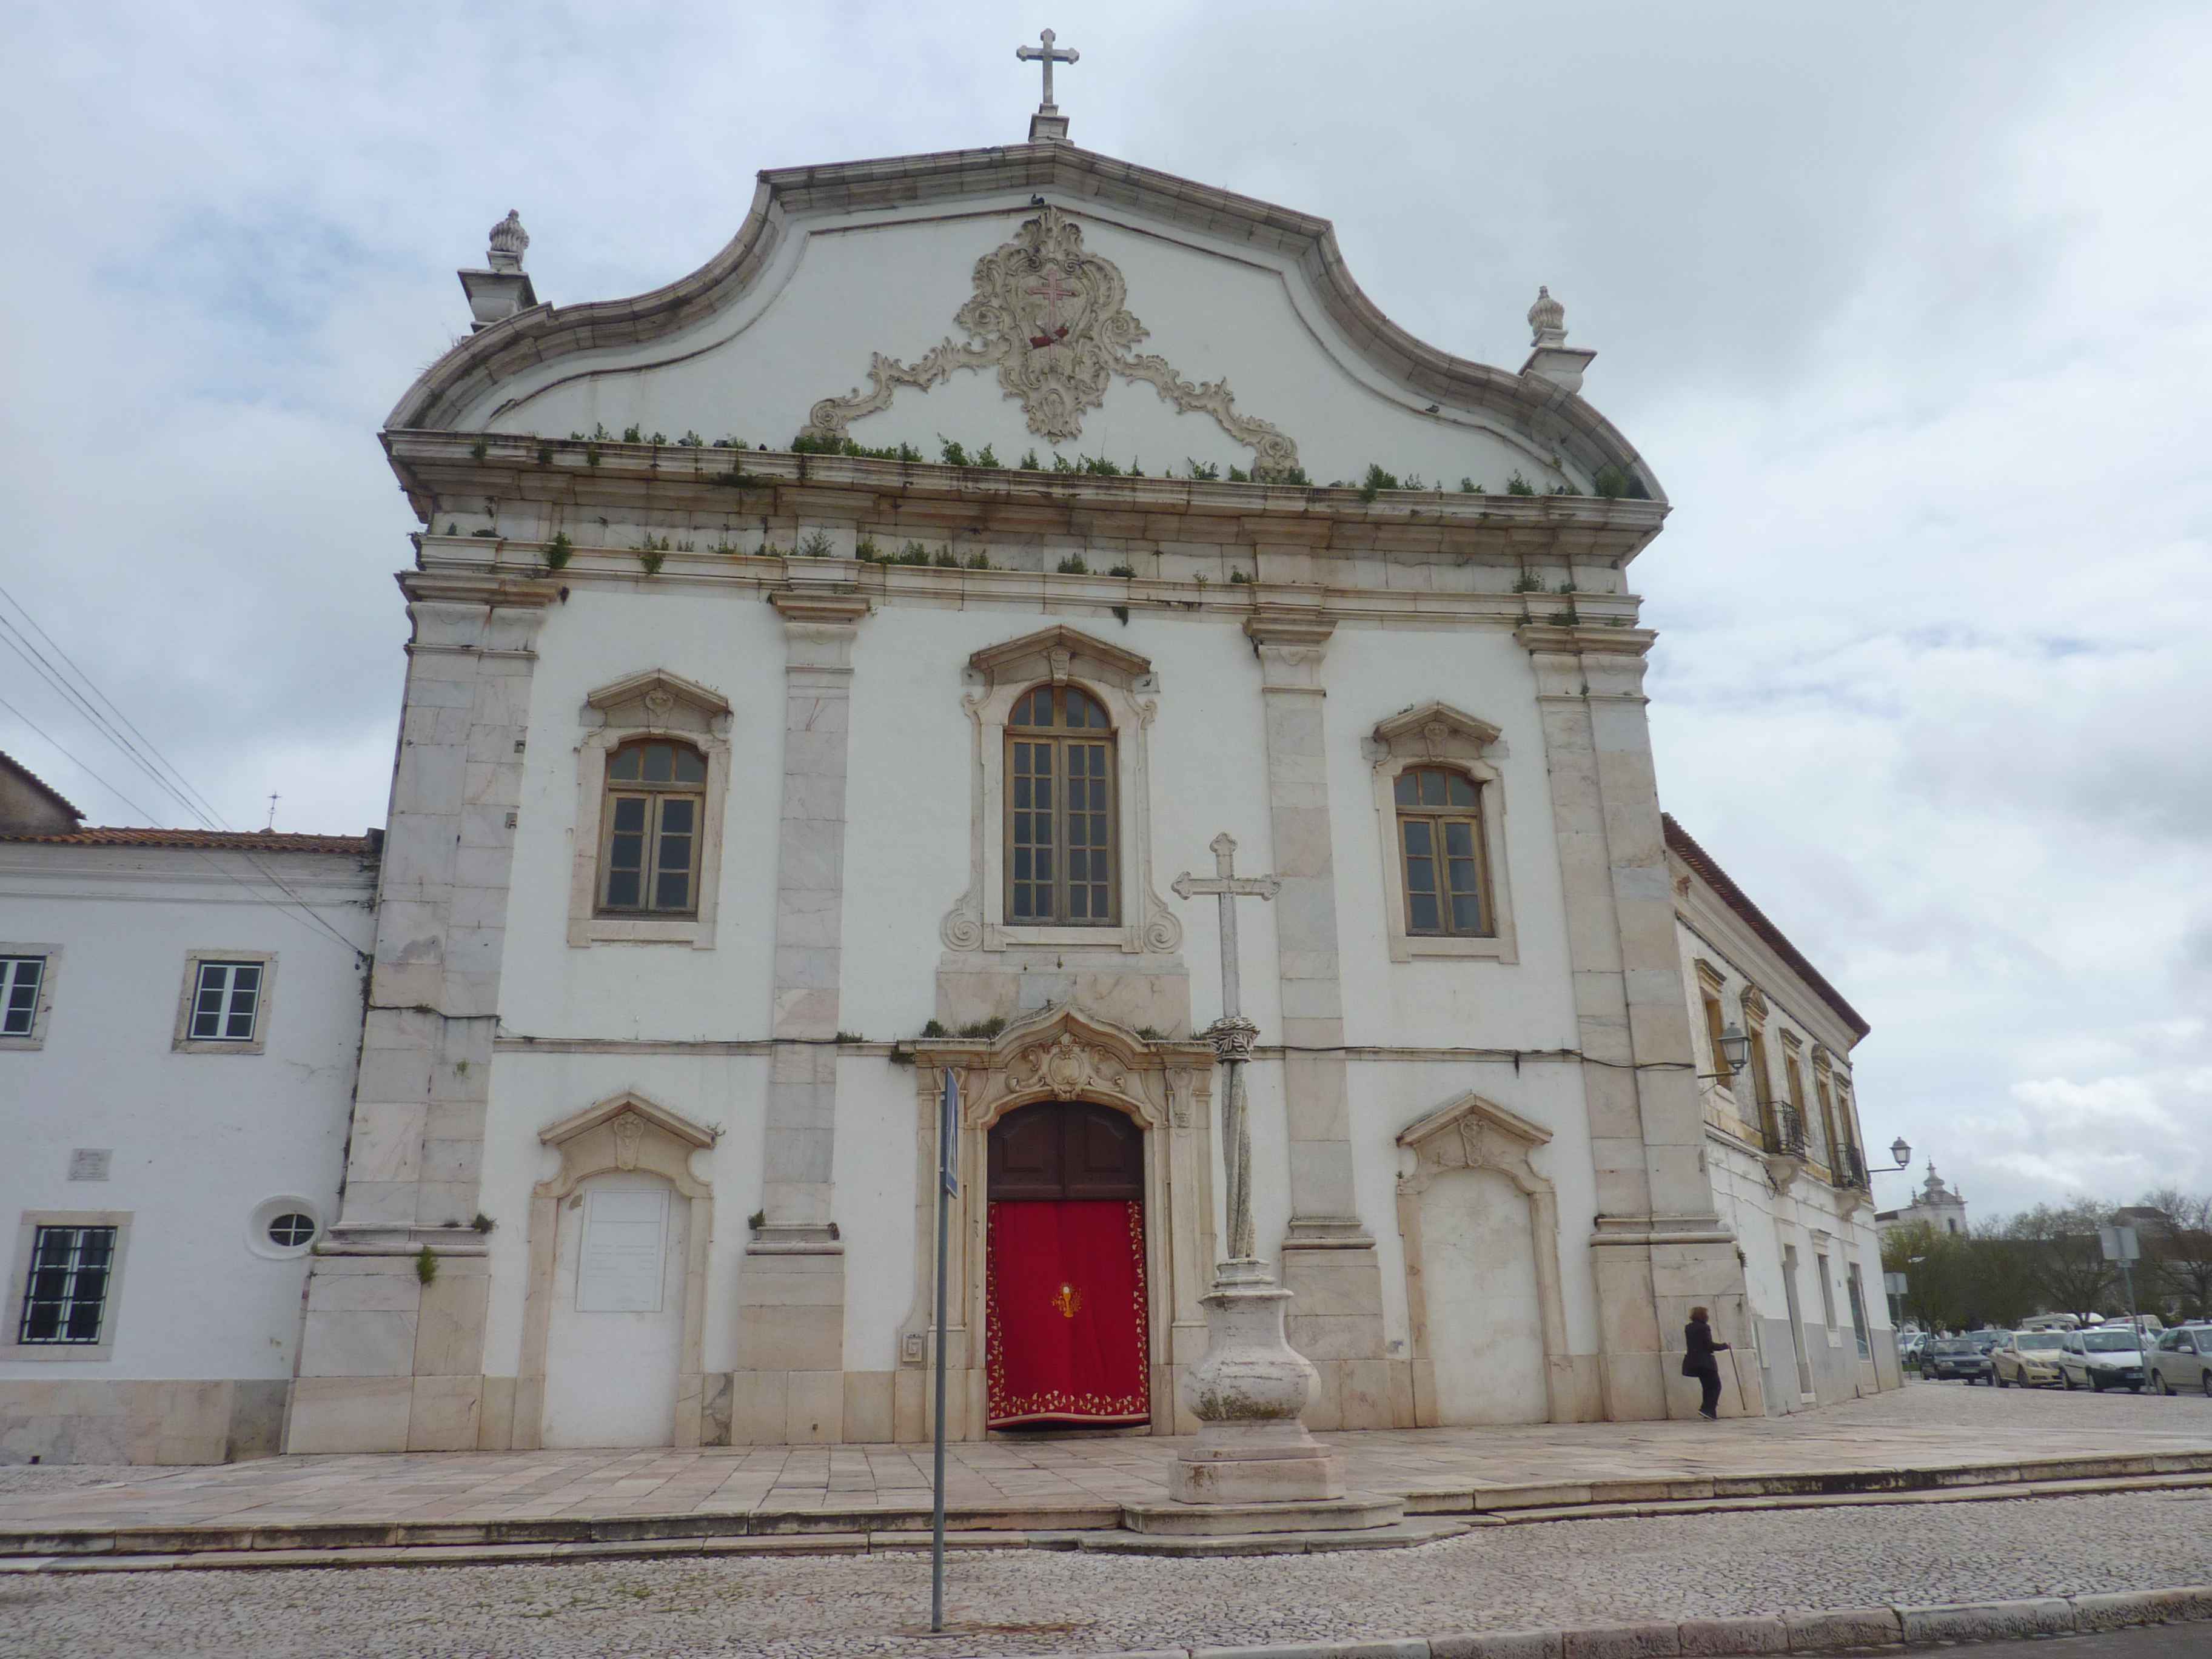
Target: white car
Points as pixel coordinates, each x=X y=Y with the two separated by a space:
x=2108 y=1358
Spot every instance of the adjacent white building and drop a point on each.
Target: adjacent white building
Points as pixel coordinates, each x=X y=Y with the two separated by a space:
x=179 y=1015
x=1783 y=1143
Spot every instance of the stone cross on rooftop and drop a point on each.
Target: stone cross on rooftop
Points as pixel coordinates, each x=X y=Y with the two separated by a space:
x=1048 y=122
x=1047 y=54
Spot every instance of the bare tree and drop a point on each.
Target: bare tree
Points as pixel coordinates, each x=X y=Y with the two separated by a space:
x=2063 y=1256
x=2177 y=1248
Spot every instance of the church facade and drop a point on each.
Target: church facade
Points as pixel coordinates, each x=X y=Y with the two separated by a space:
x=821 y=669
x=741 y=793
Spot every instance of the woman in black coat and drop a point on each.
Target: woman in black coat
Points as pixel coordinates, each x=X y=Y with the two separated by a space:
x=1699 y=1361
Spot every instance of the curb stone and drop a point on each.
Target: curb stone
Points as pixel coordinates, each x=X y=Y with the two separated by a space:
x=1986 y=1621
x=1829 y=1631
x=1708 y=1639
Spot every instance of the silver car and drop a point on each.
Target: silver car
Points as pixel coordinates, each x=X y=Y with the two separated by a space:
x=2105 y=1356
x=2182 y=1359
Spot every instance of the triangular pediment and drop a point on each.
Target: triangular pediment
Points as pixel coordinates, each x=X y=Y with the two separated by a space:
x=655 y=691
x=671 y=1123
x=1436 y=731
x=1055 y=653
x=1472 y=1108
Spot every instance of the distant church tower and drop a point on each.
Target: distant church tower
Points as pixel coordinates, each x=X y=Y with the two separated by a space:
x=1934 y=1206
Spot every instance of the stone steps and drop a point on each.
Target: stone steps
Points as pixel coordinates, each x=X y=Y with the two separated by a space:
x=1141 y=1527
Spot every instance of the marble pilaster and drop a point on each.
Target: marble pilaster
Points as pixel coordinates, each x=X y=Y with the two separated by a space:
x=1329 y=1259
x=388 y=1362
x=791 y=1291
x=1658 y=1247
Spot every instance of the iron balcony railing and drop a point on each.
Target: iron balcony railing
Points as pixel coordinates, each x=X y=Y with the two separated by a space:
x=1854 y=1172
x=1785 y=1130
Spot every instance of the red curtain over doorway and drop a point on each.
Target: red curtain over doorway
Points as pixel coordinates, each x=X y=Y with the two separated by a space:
x=1066 y=1312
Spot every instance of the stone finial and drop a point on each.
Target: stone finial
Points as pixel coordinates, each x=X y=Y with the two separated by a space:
x=502 y=289
x=509 y=242
x=1552 y=358
x=1547 y=319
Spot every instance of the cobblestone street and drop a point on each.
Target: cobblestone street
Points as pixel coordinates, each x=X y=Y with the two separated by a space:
x=1039 y=1602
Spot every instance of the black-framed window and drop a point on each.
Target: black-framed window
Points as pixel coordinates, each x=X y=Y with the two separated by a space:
x=65 y=1293
x=21 y=978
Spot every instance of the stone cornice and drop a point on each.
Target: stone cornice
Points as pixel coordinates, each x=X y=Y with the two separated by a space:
x=475 y=368
x=495 y=588
x=442 y=470
x=812 y=608
x=1028 y=590
x=1580 y=640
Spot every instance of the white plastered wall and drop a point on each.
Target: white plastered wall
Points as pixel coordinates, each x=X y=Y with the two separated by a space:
x=199 y=1141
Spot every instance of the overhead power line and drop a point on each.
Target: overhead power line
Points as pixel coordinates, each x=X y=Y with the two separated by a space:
x=149 y=758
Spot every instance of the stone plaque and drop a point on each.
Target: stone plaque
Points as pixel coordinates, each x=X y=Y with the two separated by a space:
x=618 y=1261
x=89 y=1162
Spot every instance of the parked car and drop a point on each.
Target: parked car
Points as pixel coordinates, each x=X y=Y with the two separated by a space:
x=2027 y=1357
x=2107 y=1358
x=2182 y=1359
x=1947 y=1359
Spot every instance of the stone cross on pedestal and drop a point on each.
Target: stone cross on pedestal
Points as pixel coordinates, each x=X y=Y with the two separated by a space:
x=1250 y=1391
x=1048 y=122
x=1232 y=1033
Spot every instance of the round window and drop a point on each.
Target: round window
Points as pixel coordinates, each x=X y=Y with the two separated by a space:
x=291 y=1229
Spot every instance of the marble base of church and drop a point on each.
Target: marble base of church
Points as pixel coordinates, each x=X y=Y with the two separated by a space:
x=119 y=1420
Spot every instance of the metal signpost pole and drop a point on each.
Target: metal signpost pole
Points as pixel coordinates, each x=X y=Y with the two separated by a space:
x=2120 y=1246
x=948 y=1184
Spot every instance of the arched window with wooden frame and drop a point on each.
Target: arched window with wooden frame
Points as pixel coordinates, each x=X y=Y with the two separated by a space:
x=1060 y=856
x=649 y=830
x=1442 y=854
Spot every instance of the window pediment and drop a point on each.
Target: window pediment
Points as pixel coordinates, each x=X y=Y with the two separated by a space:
x=657 y=700
x=1435 y=731
x=1471 y=1133
x=1060 y=653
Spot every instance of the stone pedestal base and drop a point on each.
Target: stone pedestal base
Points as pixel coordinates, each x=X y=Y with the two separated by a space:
x=1256 y=1463
x=1249 y=1393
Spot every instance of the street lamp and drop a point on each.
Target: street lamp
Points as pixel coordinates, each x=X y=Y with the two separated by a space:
x=1735 y=1048
x=1901 y=1149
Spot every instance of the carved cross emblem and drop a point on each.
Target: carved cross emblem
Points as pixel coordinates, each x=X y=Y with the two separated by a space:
x=1052 y=291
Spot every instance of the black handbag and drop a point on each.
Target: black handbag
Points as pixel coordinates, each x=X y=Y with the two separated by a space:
x=1689 y=1368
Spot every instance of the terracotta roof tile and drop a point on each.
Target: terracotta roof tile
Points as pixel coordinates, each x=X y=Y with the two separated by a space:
x=1680 y=843
x=236 y=840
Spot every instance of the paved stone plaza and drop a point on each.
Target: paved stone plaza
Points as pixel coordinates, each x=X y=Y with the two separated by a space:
x=1029 y=1483
x=1037 y=1602
x=1024 y=1602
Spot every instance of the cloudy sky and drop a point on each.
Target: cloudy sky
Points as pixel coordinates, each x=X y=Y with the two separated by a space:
x=1906 y=304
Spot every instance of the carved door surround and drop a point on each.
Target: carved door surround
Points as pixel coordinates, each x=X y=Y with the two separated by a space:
x=652 y=704
x=1438 y=734
x=1124 y=681
x=625 y=1133
x=1471 y=1133
x=1048 y=314
x=1063 y=1054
